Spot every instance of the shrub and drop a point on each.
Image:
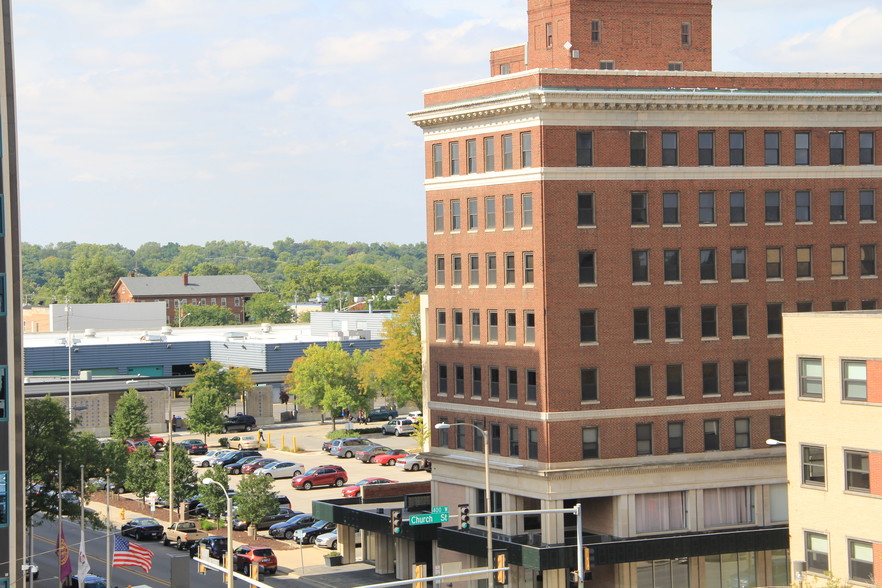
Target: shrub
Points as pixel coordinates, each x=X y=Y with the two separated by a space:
x=223 y=442
x=353 y=432
x=207 y=525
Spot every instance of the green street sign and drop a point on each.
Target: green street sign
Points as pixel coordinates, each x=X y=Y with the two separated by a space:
x=428 y=519
x=440 y=509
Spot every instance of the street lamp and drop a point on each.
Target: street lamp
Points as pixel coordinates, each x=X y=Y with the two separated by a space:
x=487 y=509
x=774 y=442
x=229 y=555
x=169 y=448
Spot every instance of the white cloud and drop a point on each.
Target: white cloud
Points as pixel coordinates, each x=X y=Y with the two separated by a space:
x=373 y=46
x=245 y=53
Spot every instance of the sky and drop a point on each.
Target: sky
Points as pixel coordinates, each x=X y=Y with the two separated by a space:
x=197 y=120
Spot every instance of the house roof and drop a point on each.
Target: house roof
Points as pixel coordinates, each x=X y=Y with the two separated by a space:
x=195 y=286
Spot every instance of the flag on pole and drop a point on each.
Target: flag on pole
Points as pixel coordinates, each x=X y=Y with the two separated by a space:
x=126 y=553
x=83 y=567
x=64 y=567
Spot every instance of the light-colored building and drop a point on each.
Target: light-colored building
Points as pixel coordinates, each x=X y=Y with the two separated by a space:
x=833 y=372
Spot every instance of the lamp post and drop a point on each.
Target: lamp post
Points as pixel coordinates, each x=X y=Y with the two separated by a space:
x=774 y=442
x=229 y=555
x=107 y=552
x=487 y=509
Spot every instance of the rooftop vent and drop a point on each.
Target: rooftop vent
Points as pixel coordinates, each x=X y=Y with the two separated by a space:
x=89 y=333
x=166 y=330
x=235 y=335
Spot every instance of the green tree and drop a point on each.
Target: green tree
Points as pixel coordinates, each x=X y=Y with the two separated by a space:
x=266 y=307
x=215 y=388
x=306 y=279
x=396 y=367
x=363 y=280
x=115 y=457
x=255 y=498
x=92 y=274
x=184 y=475
x=141 y=472
x=207 y=316
x=212 y=497
x=243 y=380
x=206 y=412
x=130 y=417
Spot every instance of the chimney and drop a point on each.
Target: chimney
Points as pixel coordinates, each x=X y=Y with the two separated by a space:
x=131 y=274
x=186 y=277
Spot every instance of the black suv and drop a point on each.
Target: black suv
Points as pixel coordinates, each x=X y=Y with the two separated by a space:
x=240 y=422
x=237 y=455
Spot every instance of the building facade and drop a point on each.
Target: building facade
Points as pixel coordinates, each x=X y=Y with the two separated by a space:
x=834 y=454
x=611 y=252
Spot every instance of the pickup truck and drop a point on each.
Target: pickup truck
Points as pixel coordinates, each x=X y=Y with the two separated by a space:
x=183 y=534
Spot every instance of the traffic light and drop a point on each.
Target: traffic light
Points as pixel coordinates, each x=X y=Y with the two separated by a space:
x=589 y=558
x=500 y=560
x=395 y=517
x=202 y=554
x=464 y=517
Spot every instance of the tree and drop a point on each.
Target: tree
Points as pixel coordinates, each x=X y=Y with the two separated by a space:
x=212 y=497
x=266 y=307
x=326 y=377
x=243 y=380
x=207 y=316
x=396 y=367
x=92 y=274
x=206 y=413
x=115 y=457
x=184 y=475
x=141 y=472
x=363 y=280
x=214 y=389
x=130 y=417
x=255 y=498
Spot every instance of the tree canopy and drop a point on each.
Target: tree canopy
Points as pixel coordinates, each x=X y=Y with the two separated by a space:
x=92 y=274
x=130 y=417
x=214 y=388
x=193 y=315
x=396 y=367
x=255 y=498
x=267 y=308
x=184 y=475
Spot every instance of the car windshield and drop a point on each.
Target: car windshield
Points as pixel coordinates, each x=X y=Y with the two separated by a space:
x=312 y=472
x=263 y=552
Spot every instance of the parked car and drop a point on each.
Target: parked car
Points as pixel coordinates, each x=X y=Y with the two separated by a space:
x=154 y=441
x=133 y=446
x=307 y=535
x=326 y=475
x=330 y=445
x=236 y=468
x=355 y=489
x=329 y=540
x=286 y=528
x=194 y=446
x=281 y=469
x=249 y=555
x=391 y=457
x=348 y=447
x=240 y=422
x=266 y=522
x=142 y=528
x=415 y=414
x=384 y=413
x=182 y=534
x=235 y=456
x=399 y=426
x=367 y=453
x=283 y=500
x=215 y=545
x=250 y=468
x=88 y=581
x=204 y=461
x=414 y=462
x=243 y=442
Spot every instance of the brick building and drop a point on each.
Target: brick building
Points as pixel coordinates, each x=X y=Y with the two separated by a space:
x=227 y=291
x=611 y=253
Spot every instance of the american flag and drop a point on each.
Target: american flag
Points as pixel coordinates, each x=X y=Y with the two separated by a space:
x=126 y=553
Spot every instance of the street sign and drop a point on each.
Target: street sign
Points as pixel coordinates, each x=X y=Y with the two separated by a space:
x=428 y=519
x=440 y=509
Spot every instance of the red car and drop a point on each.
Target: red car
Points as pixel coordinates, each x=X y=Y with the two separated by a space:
x=253 y=555
x=355 y=490
x=326 y=475
x=389 y=458
x=250 y=467
x=154 y=441
x=133 y=446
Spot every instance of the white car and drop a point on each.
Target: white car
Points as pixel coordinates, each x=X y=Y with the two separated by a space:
x=414 y=462
x=244 y=442
x=329 y=540
x=203 y=461
x=398 y=426
x=281 y=469
x=415 y=414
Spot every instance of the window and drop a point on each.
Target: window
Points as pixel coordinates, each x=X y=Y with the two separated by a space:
x=492 y=326
x=669 y=148
x=776 y=375
x=742 y=433
x=639 y=266
x=773 y=207
x=529 y=271
x=509 y=260
x=867 y=148
x=508 y=212
x=868 y=260
x=710 y=378
x=589 y=384
x=474 y=274
x=549 y=37
x=837 y=261
x=804 y=306
x=739 y=320
x=642 y=381
x=471 y=156
x=644 y=439
x=526 y=149
x=438 y=207
x=585 y=216
x=608 y=65
x=437 y=161
x=673 y=326
x=458 y=380
x=638 y=148
x=738 y=263
x=4 y=505
x=837 y=148
x=813 y=468
x=772 y=144
x=737 y=212
x=817 y=552
x=490 y=213
x=472 y=210
x=639 y=215
x=705 y=148
x=641 y=324
x=868 y=304
x=707 y=212
x=584 y=148
x=838 y=305
x=741 y=376
x=661 y=511
x=774 y=318
x=491 y=269
x=708 y=321
x=595 y=31
x=587 y=326
x=586 y=268
x=511 y=326
x=707 y=264
x=489 y=163
x=512 y=384
x=867 y=205
x=507 y=152
x=459 y=434
x=802 y=148
x=590 y=443
x=476 y=381
x=494 y=382
x=532 y=443
x=475 y=323
x=672 y=265
x=803 y=262
x=441 y=324
x=454 y=158
x=671 y=208
x=854 y=380
x=457 y=325
x=674 y=380
x=860 y=561
x=442 y=378
x=776 y=428
x=675 y=66
x=455 y=215
x=504 y=68
x=736 y=148
x=456 y=270
x=803 y=206
x=857 y=471
x=514 y=437
x=837 y=206
x=526 y=211
x=712 y=435
x=686 y=33
x=531 y=385
x=529 y=326
x=773 y=263
x=675 y=437
x=728 y=506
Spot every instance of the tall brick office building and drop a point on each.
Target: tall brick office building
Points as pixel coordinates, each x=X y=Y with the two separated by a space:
x=613 y=232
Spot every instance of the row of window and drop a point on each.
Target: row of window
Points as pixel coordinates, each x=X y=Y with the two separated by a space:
x=467 y=160
x=853 y=379
x=860 y=556
x=472 y=215
x=4 y=499
x=491 y=278
x=684 y=31
x=856 y=474
x=489 y=382
x=237 y=301
x=455 y=438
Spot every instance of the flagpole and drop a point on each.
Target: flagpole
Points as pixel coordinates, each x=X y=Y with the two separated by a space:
x=60 y=579
x=107 y=522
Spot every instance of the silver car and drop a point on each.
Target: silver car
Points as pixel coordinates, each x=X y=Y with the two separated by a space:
x=281 y=469
x=204 y=461
x=329 y=540
x=398 y=426
x=348 y=447
x=414 y=462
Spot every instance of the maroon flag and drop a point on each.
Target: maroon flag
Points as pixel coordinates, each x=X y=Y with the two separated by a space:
x=64 y=567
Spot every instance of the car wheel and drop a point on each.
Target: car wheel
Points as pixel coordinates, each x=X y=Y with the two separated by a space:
x=373 y=459
x=338 y=482
x=205 y=464
x=297 y=473
x=306 y=540
x=289 y=534
x=307 y=485
x=348 y=454
x=334 y=545
x=269 y=475
x=165 y=540
x=415 y=467
x=397 y=433
x=248 y=428
x=159 y=445
x=179 y=544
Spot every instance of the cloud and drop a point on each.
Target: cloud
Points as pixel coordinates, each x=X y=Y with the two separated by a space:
x=245 y=53
x=86 y=177
x=365 y=47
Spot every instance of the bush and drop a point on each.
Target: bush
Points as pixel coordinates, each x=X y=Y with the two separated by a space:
x=223 y=442
x=353 y=432
x=207 y=525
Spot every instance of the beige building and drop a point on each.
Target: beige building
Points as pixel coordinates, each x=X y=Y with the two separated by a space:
x=833 y=386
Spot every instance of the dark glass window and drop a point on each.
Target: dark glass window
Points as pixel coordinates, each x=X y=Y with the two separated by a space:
x=476 y=381
x=838 y=305
x=710 y=378
x=708 y=321
x=672 y=265
x=491 y=269
x=457 y=325
x=773 y=263
x=776 y=375
x=772 y=143
x=813 y=466
x=708 y=264
x=589 y=384
x=494 y=381
x=512 y=384
x=595 y=31
x=857 y=471
x=639 y=215
x=586 y=267
x=514 y=441
x=532 y=443
x=675 y=437
x=474 y=271
x=671 y=208
x=585 y=216
x=803 y=262
x=868 y=304
x=442 y=378
x=644 y=439
x=531 y=385
x=802 y=148
x=584 y=148
x=868 y=260
x=837 y=206
x=590 y=443
x=456 y=270
x=640 y=266
x=742 y=433
x=736 y=148
x=817 y=552
x=642 y=381
x=712 y=435
x=587 y=326
x=674 y=380
x=737 y=211
x=705 y=148
x=803 y=206
x=673 y=328
x=441 y=324
x=773 y=207
x=867 y=148
x=492 y=326
x=860 y=561
x=868 y=205
x=495 y=438
x=741 y=376
x=837 y=148
x=638 y=148
x=458 y=380
x=738 y=262
x=776 y=428
x=669 y=148
x=641 y=324
x=774 y=319
x=739 y=320
x=707 y=208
